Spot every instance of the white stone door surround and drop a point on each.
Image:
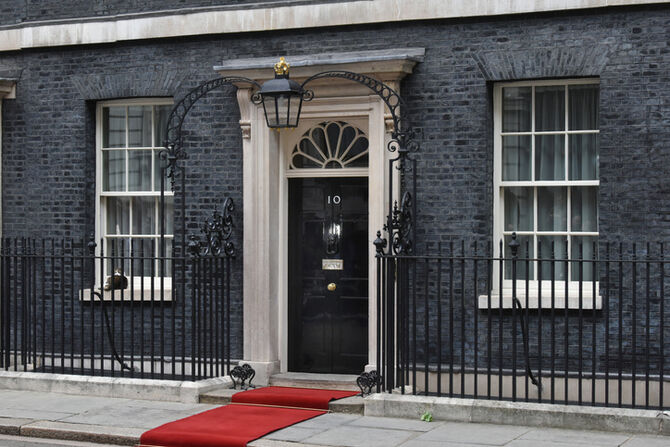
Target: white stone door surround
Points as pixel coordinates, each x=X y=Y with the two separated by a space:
x=265 y=184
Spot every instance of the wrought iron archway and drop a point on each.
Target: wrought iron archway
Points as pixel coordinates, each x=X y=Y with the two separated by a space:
x=400 y=227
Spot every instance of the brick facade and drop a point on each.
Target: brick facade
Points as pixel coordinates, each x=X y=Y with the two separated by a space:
x=48 y=131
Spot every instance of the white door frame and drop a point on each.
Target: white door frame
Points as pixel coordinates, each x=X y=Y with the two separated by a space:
x=366 y=113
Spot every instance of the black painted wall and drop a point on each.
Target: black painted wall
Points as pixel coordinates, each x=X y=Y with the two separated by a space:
x=49 y=152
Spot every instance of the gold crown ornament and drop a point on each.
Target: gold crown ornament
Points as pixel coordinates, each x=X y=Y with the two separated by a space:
x=281 y=67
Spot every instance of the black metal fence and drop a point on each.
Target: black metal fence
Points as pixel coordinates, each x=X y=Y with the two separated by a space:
x=504 y=323
x=122 y=309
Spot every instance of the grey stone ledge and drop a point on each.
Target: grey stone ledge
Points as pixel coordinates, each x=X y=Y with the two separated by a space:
x=531 y=414
x=306 y=60
x=143 y=389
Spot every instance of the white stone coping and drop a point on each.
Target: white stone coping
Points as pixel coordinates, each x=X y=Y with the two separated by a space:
x=127 y=388
x=519 y=413
x=196 y=21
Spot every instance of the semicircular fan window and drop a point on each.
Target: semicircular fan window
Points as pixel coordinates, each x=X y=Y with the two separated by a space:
x=331 y=145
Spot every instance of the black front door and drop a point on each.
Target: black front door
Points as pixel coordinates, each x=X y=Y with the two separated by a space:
x=328 y=275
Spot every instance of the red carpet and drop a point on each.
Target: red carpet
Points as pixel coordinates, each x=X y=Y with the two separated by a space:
x=254 y=414
x=291 y=397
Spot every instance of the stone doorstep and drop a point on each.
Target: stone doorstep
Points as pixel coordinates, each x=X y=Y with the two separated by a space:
x=348 y=405
x=345 y=382
x=519 y=413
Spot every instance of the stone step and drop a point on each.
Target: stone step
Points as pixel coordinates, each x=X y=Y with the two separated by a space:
x=346 y=382
x=218 y=397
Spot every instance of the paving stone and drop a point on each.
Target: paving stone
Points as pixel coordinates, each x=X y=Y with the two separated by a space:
x=474 y=433
x=295 y=434
x=647 y=441
x=350 y=436
x=395 y=424
x=23 y=413
x=575 y=437
x=60 y=403
x=83 y=432
x=22 y=441
x=328 y=420
x=415 y=443
x=140 y=417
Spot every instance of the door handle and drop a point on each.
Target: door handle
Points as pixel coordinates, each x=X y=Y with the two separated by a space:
x=332 y=286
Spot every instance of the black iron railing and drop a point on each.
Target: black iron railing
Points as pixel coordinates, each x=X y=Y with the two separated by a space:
x=474 y=321
x=118 y=309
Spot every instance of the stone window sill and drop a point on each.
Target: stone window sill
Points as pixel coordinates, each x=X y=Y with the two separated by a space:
x=126 y=296
x=533 y=301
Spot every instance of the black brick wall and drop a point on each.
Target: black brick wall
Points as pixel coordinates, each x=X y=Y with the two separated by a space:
x=48 y=150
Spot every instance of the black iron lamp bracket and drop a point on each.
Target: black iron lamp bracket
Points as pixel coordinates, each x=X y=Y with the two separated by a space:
x=173 y=150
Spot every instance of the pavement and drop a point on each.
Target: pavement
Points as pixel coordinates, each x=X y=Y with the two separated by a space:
x=28 y=418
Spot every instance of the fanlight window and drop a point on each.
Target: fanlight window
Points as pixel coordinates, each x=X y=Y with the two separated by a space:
x=331 y=145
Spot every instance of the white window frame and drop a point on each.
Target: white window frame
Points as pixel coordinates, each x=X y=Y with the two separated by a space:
x=144 y=283
x=573 y=287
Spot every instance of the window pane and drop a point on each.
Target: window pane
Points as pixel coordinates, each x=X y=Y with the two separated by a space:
x=526 y=251
x=139 y=126
x=158 y=167
x=584 y=208
x=549 y=108
x=143 y=250
x=518 y=209
x=169 y=215
x=164 y=268
x=118 y=215
x=516 y=109
x=583 y=113
x=113 y=127
x=161 y=115
x=117 y=256
x=144 y=215
x=114 y=170
x=552 y=209
x=582 y=248
x=516 y=158
x=550 y=157
x=139 y=170
x=550 y=248
x=583 y=154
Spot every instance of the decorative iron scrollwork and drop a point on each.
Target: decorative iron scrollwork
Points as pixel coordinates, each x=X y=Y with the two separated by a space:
x=400 y=221
x=367 y=381
x=243 y=375
x=218 y=231
x=174 y=150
